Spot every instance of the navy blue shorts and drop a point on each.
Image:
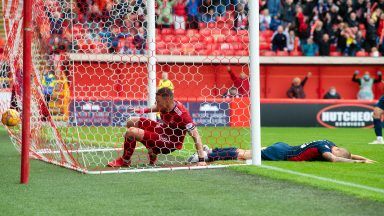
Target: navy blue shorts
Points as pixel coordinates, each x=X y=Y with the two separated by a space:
x=276 y=152
x=380 y=103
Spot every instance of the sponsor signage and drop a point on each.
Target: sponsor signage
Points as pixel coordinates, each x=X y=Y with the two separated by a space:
x=209 y=113
x=316 y=115
x=91 y=113
x=346 y=115
x=116 y=113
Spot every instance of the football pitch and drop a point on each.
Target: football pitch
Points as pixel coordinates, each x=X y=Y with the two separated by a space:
x=276 y=188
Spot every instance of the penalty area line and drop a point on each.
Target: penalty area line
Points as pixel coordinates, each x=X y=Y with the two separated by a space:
x=350 y=184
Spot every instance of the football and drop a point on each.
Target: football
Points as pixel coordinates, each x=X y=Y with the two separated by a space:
x=10 y=118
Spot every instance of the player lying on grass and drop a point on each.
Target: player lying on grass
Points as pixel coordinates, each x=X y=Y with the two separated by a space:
x=161 y=137
x=320 y=150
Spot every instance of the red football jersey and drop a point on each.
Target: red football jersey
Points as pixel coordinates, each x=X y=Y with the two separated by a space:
x=176 y=123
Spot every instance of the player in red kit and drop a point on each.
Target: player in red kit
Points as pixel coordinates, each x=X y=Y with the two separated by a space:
x=161 y=137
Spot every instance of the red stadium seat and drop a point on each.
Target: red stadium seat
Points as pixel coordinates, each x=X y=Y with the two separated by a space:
x=220 y=19
x=269 y=53
x=335 y=54
x=203 y=52
x=295 y=53
x=184 y=39
x=242 y=32
x=180 y=32
x=361 y=54
x=216 y=31
x=163 y=52
x=211 y=25
x=333 y=48
x=244 y=39
x=194 y=38
x=205 y=32
x=264 y=46
x=199 y=46
x=219 y=38
x=211 y=46
x=242 y=53
x=166 y=31
x=168 y=38
x=160 y=45
x=236 y=46
x=231 y=39
x=192 y=32
x=282 y=53
x=225 y=46
x=267 y=33
x=209 y=39
x=202 y=25
x=228 y=52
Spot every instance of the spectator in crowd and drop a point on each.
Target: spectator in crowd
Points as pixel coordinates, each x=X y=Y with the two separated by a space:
x=193 y=13
x=241 y=17
x=180 y=13
x=287 y=12
x=165 y=82
x=265 y=20
x=279 y=40
x=375 y=52
x=209 y=17
x=126 y=48
x=310 y=49
x=291 y=41
x=241 y=83
x=275 y=23
x=165 y=18
x=231 y=93
x=366 y=83
x=332 y=94
x=48 y=83
x=220 y=6
x=324 y=46
x=370 y=35
x=139 y=41
x=273 y=7
x=4 y=74
x=297 y=88
x=318 y=32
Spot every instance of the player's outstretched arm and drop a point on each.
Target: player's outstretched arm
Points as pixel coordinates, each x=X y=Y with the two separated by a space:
x=358 y=157
x=194 y=133
x=333 y=158
x=151 y=109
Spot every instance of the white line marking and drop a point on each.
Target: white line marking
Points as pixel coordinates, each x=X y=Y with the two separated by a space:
x=378 y=190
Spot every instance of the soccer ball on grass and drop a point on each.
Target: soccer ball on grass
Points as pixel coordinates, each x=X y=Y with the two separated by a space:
x=10 y=118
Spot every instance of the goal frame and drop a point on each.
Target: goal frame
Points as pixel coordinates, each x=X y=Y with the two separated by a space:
x=254 y=64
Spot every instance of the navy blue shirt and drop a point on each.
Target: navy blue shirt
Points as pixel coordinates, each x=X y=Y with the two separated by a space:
x=310 y=151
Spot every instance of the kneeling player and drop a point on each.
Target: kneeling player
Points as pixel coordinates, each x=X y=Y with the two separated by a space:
x=377 y=113
x=160 y=137
x=321 y=150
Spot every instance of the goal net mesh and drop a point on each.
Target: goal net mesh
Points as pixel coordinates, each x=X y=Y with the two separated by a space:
x=90 y=68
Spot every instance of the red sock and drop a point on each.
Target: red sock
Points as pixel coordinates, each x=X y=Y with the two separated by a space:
x=129 y=148
x=152 y=158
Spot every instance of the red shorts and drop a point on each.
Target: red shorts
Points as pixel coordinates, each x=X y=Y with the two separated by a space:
x=155 y=137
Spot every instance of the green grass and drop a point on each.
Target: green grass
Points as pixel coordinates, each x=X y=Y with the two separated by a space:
x=241 y=190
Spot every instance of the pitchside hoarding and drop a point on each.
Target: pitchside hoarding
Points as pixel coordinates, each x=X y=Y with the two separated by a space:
x=314 y=115
x=116 y=113
x=284 y=114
